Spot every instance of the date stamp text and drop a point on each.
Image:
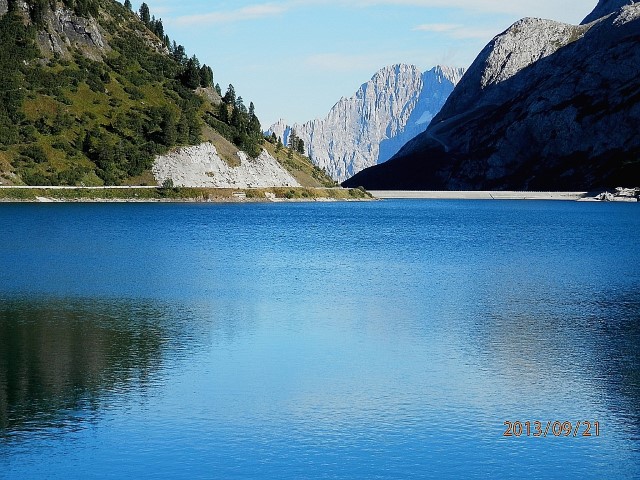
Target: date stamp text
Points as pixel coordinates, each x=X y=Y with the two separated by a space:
x=585 y=428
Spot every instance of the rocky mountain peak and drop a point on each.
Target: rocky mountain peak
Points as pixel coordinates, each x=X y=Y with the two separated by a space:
x=521 y=45
x=545 y=106
x=606 y=7
x=371 y=126
x=443 y=72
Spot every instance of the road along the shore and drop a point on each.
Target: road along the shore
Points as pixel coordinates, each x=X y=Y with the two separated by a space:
x=475 y=195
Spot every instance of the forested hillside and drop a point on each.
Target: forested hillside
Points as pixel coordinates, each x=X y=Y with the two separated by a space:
x=91 y=92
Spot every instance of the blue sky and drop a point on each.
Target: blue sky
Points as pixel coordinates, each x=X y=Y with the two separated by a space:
x=295 y=58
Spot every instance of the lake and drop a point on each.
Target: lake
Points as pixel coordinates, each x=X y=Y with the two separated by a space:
x=389 y=340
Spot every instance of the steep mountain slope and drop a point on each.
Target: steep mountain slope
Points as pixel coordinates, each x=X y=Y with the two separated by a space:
x=370 y=127
x=605 y=7
x=545 y=106
x=91 y=93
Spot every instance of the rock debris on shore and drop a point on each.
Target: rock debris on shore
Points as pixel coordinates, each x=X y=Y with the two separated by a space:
x=202 y=166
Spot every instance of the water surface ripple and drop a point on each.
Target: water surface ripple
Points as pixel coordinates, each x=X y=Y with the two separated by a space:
x=340 y=341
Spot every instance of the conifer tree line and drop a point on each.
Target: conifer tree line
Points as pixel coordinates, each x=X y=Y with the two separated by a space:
x=119 y=131
x=193 y=75
x=296 y=144
x=37 y=8
x=238 y=123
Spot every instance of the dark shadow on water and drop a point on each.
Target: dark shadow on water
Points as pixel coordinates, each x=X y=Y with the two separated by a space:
x=61 y=359
x=590 y=346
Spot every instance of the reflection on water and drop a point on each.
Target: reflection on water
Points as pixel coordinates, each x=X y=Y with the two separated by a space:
x=583 y=352
x=60 y=359
x=381 y=340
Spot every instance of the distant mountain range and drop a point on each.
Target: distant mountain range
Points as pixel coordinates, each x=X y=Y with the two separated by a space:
x=545 y=106
x=371 y=126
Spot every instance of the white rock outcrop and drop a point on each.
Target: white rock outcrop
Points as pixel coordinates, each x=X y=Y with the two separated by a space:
x=370 y=127
x=201 y=166
x=620 y=195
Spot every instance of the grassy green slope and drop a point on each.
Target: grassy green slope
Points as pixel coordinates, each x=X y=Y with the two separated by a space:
x=98 y=116
x=84 y=121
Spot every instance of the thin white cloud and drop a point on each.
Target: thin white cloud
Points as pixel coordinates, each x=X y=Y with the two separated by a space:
x=250 y=12
x=437 y=27
x=457 y=31
x=542 y=8
x=474 y=33
x=567 y=10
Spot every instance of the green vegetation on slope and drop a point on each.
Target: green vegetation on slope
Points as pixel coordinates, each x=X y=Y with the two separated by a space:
x=305 y=172
x=187 y=194
x=100 y=118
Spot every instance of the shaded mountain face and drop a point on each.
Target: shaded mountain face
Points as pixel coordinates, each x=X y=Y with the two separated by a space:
x=545 y=106
x=604 y=8
x=370 y=127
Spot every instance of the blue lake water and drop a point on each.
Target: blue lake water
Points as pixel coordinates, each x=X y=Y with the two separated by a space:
x=386 y=340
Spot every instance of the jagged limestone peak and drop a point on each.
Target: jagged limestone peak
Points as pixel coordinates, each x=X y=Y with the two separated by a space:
x=368 y=128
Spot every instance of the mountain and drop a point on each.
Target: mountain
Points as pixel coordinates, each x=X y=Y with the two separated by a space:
x=545 y=106
x=95 y=94
x=604 y=8
x=370 y=127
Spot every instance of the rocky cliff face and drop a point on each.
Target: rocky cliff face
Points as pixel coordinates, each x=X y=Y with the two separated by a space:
x=369 y=128
x=66 y=31
x=545 y=106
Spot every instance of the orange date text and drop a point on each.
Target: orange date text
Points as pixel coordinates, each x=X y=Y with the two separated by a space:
x=581 y=428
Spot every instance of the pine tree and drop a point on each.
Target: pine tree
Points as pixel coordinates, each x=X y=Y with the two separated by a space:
x=191 y=76
x=230 y=97
x=206 y=76
x=223 y=113
x=179 y=54
x=236 y=117
x=145 y=16
x=240 y=105
x=127 y=5
x=157 y=28
x=293 y=140
x=254 y=126
x=168 y=127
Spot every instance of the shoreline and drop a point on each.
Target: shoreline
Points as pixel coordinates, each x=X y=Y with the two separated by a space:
x=475 y=195
x=144 y=194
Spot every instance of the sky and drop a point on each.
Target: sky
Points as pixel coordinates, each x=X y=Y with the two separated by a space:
x=294 y=59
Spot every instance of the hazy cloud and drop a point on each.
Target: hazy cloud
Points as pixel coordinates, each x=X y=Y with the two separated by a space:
x=249 y=12
x=542 y=8
x=438 y=27
x=457 y=31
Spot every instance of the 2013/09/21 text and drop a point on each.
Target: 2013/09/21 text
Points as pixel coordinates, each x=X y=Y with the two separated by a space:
x=557 y=429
